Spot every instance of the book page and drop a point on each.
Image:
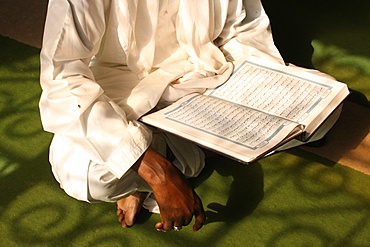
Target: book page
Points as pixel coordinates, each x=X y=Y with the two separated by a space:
x=272 y=91
x=234 y=123
x=260 y=107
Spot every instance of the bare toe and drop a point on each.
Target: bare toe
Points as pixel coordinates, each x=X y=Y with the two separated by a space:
x=129 y=207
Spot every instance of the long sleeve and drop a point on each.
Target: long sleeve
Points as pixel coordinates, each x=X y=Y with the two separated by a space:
x=72 y=103
x=247 y=33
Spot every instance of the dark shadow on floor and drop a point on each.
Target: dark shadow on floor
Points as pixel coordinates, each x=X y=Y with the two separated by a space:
x=295 y=24
x=245 y=193
x=12 y=51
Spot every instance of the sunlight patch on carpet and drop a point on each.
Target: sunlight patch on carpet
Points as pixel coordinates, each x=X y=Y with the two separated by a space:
x=354 y=70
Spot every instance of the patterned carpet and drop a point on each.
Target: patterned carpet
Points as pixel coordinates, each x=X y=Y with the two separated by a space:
x=294 y=198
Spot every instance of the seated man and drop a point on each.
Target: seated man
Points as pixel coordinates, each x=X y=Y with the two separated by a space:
x=105 y=63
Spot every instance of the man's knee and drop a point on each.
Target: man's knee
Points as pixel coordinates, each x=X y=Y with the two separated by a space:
x=69 y=167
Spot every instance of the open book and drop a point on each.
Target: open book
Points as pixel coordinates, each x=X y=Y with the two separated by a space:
x=260 y=107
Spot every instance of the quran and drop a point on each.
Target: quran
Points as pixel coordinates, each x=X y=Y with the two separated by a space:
x=261 y=106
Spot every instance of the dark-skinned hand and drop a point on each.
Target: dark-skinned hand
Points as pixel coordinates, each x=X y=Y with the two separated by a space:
x=177 y=201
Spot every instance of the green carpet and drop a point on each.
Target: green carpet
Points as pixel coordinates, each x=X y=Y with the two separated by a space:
x=293 y=198
x=331 y=35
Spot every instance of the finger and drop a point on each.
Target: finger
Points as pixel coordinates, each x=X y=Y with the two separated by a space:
x=200 y=219
x=200 y=216
x=167 y=226
x=159 y=226
x=179 y=223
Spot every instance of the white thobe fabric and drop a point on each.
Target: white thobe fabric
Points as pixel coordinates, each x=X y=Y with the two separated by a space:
x=105 y=63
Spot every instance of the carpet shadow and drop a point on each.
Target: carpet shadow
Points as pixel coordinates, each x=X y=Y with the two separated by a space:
x=245 y=193
x=12 y=51
x=295 y=24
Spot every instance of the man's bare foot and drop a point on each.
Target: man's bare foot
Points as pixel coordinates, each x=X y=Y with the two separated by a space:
x=129 y=207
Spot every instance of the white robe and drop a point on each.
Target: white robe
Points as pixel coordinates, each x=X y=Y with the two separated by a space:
x=104 y=63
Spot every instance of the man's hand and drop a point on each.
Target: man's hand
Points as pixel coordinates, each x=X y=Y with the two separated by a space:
x=177 y=201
